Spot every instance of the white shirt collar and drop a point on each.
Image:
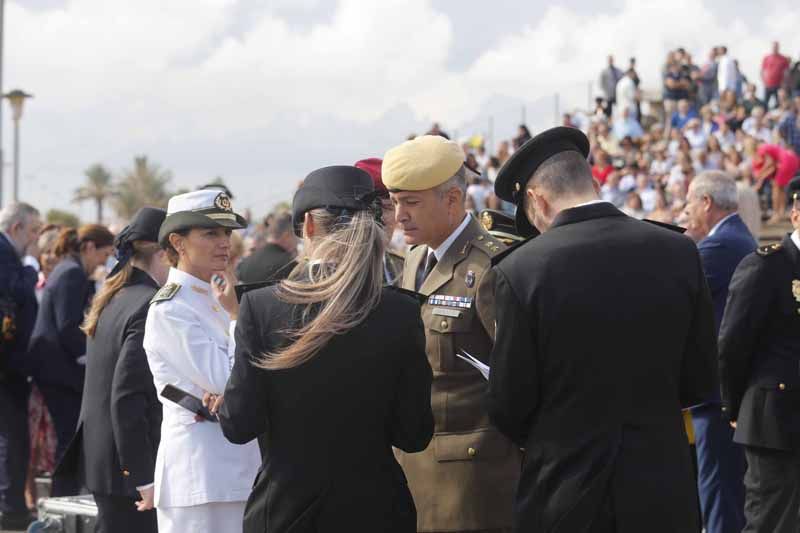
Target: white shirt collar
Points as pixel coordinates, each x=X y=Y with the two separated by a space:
x=590 y=202
x=796 y=238
x=442 y=249
x=185 y=279
x=718 y=224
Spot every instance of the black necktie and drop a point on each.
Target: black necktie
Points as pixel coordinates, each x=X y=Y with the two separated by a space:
x=423 y=274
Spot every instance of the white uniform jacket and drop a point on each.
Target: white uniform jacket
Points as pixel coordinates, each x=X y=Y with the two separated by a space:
x=189 y=343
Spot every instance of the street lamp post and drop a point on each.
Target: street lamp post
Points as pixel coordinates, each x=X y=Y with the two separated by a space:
x=17 y=99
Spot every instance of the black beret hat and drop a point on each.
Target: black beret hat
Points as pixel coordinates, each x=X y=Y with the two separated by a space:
x=336 y=188
x=144 y=226
x=516 y=172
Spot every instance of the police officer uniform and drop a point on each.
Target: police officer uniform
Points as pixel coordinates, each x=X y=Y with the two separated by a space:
x=759 y=359
x=113 y=452
x=465 y=479
x=583 y=375
x=201 y=480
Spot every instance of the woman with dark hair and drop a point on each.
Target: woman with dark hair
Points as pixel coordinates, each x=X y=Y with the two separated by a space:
x=58 y=346
x=523 y=136
x=201 y=480
x=115 y=448
x=331 y=373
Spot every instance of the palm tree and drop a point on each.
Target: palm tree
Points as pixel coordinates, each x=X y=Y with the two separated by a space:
x=98 y=188
x=143 y=185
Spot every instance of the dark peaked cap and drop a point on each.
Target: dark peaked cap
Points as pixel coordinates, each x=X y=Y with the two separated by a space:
x=512 y=178
x=334 y=188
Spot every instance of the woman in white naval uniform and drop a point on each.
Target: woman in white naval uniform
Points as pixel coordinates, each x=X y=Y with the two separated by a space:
x=201 y=480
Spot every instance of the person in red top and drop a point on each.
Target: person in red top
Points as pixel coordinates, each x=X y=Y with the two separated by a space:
x=773 y=68
x=781 y=164
x=601 y=168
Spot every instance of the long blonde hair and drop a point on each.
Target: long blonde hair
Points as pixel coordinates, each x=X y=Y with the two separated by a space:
x=341 y=280
x=143 y=252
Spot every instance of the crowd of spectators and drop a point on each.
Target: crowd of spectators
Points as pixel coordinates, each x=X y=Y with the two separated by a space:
x=710 y=116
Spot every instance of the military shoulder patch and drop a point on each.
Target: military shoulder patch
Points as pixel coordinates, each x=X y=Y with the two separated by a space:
x=769 y=249
x=166 y=293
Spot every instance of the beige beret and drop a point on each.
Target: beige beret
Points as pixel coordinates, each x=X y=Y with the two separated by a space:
x=421 y=163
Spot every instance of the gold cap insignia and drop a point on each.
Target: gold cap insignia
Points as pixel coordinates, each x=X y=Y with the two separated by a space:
x=223 y=202
x=487 y=221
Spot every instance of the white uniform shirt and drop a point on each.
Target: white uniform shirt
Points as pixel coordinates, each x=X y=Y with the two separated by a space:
x=189 y=344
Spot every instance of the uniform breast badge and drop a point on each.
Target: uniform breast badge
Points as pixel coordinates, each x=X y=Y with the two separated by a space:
x=470 y=279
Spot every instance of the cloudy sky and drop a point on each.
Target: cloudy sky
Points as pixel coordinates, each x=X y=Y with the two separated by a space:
x=262 y=92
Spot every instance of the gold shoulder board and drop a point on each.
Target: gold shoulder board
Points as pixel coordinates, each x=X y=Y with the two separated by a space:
x=769 y=249
x=166 y=293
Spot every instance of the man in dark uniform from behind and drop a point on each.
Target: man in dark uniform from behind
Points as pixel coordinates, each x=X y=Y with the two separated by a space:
x=393 y=261
x=759 y=362
x=275 y=260
x=583 y=376
x=114 y=449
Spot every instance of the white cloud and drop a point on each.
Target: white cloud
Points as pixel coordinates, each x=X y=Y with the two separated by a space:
x=113 y=78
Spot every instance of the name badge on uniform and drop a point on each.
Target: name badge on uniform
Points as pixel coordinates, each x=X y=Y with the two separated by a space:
x=452 y=313
x=441 y=300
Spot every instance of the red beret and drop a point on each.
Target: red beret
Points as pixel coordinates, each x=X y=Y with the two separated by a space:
x=372 y=166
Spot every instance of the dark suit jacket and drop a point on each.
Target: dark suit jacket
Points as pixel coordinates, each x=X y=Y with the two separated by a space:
x=120 y=421
x=57 y=341
x=330 y=423
x=759 y=356
x=270 y=263
x=720 y=254
x=605 y=331
x=17 y=287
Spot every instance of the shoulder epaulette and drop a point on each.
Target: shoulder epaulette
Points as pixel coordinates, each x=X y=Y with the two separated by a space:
x=167 y=292
x=769 y=249
x=488 y=244
x=396 y=253
x=505 y=253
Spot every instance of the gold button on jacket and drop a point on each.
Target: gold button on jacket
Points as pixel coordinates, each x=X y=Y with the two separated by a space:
x=466 y=479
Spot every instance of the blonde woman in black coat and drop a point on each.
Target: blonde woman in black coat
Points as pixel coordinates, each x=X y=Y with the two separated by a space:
x=331 y=372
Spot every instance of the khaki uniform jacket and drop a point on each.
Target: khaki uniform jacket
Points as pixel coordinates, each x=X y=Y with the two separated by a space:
x=465 y=480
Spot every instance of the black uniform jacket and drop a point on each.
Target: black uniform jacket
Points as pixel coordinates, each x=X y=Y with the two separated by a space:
x=270 y=263
x=17 y=284
x=759 y=355
x=57 y=341
x=120 y=421
x=605 y=330
x=331 y=422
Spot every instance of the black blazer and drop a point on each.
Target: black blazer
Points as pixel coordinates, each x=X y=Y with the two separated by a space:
x=57 y=341
x=759 y=354
x=270 y=263
x=605 y=330
x=115 y=446
x=330 y=423
x=17 y=290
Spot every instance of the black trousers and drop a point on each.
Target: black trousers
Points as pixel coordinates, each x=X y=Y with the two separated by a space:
x=14 y=445
x=772 y=485
x=118 y=514
x=64 y=406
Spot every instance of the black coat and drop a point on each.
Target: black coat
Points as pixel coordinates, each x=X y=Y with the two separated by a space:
x=605 y=330
x=57 y=341
x=17 y=291
x=120 y=421
x=759 y=356
x=270 y=263
x=330 y=423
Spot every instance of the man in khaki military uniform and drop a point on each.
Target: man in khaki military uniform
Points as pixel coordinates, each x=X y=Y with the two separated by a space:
x=465 y=480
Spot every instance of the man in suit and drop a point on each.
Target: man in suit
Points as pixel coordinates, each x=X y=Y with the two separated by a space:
x=275 y=260
x=392 y=260
x=711 y=208
x=759 y=358
x=114 y=449
x=19 y=228
x=605 y=331
x=465 y=479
